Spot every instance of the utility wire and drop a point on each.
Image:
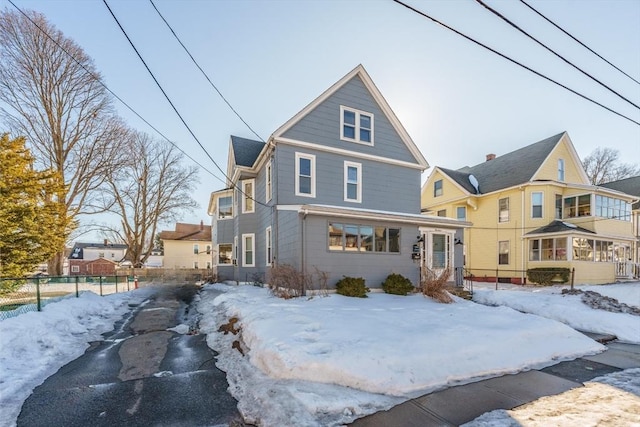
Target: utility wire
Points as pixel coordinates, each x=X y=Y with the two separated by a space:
x=174 y=107
x=511 y=23
x=576 y=40
x=513 y=60
x=205 y=74
x=97 y=79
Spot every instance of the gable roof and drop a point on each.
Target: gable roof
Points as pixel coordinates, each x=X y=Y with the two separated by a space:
x=183 y=231
x=377 y=96
x=245 y=150
x=508 y=170
x=628 y=186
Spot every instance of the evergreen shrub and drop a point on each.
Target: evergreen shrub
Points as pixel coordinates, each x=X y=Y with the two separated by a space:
x=397 y=284
x=352 y=287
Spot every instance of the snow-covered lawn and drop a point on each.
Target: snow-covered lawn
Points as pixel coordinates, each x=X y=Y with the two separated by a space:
x=328 y=360
x=318 y=356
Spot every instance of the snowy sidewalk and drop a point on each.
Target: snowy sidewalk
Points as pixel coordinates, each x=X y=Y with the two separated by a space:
x=462 y=404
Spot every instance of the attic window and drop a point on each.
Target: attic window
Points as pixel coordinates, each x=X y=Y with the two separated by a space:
x=356 y=125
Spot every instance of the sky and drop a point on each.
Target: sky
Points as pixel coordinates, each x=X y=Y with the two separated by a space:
x=326 y=360
x=270 y=59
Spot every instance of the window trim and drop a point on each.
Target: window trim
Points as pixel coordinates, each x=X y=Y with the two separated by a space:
x=464 y=208
x=196 y=249
x=232 y=210
x=507 y=210
x=357 y=113
x=268 y=184
x=561 y=170
x=75 y=269
x=533 y=194
x=268 y=243
x=312 y=158
x=217 y=258
x=244 y=249
x=246 y=196
x=358 y=167
x=438 y=190
x=507 y=253
x=390 y=242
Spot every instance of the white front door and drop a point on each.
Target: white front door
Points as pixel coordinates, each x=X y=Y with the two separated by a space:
x=437 y=251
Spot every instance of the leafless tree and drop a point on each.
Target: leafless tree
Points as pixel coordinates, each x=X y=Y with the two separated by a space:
x=602 y=166
x=49 y=92
x=151 y=188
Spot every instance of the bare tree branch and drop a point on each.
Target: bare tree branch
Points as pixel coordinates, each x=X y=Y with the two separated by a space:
x=602 y=166
x=47 y=95
x=151 y=188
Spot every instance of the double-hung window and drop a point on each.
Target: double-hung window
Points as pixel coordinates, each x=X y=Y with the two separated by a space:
x=536 y=205
x=503 y=210
x=268 y=245
x=352 y=182
x=356 y=125
x=461 y=213
x=225 y=253
x=561 y=170
x=305 y=175
x=268 y=182
x=225 y=207
x=248 y=250
x=248 y=196
x=503 y=252
x=437 y=188
x=196 y=249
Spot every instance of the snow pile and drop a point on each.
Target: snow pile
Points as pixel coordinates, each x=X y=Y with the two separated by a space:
x=392 y=347
x=570 y=309
x=35 y=345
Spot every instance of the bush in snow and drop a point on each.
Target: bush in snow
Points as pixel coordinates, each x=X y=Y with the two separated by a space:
x=352 y=287
x=547 y=276
x=397 y=284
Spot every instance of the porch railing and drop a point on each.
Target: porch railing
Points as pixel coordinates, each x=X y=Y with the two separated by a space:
x=627 y=270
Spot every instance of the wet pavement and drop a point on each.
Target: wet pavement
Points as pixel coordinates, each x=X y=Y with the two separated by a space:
x=458 y=405
x=140 y=375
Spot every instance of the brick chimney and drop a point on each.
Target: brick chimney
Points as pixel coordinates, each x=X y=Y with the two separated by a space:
x=490 y=157
x=201 y=225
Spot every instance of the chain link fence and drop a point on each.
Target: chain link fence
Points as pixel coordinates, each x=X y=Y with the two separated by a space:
x=20 y=295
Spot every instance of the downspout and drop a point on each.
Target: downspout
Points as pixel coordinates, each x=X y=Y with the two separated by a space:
x=303 y=255
x=274 y=205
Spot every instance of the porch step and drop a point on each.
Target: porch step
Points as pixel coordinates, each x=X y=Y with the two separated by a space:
x=460 y=292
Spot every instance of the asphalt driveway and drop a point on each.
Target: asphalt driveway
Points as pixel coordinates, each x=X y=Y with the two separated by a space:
x=140 y=375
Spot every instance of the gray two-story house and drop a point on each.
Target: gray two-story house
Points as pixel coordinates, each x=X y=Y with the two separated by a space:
x=337 y=188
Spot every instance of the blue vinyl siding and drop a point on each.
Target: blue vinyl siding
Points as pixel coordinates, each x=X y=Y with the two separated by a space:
x=322 y=125
x=384 y=187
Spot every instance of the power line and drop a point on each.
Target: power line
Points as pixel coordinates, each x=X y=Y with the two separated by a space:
x=174 y=107
x=97 y=79
x=505 y=19
x=205 y=74
x=513 y=60
x=575 y=39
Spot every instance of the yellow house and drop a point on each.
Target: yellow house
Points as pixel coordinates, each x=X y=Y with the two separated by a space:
x=188 y=246
x=535 y=208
